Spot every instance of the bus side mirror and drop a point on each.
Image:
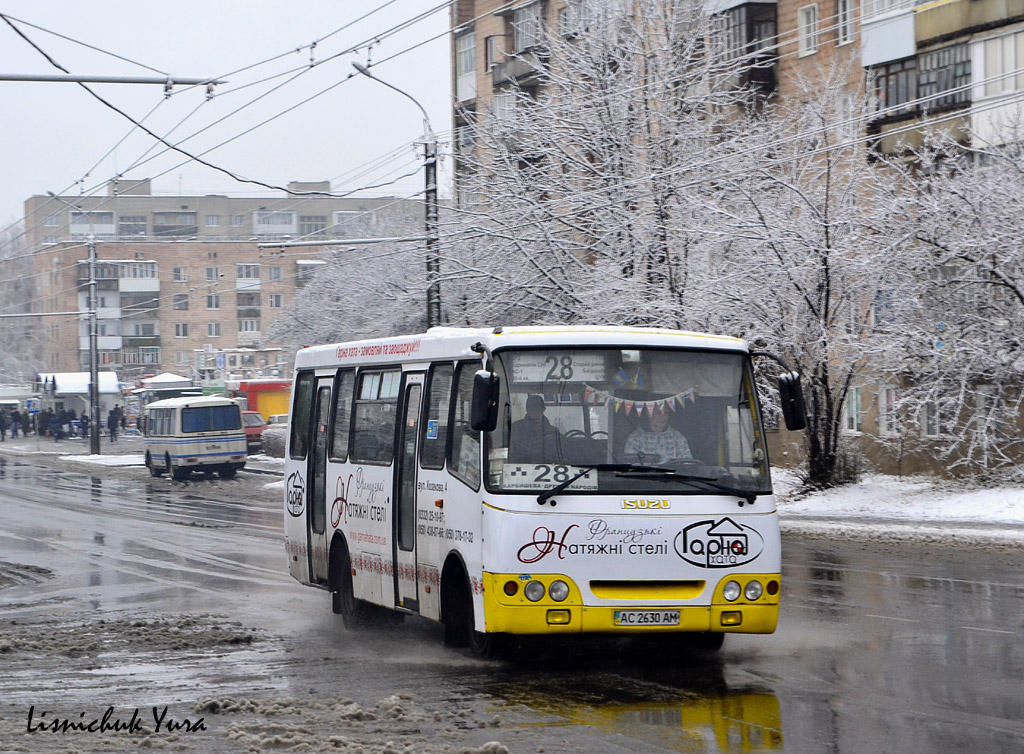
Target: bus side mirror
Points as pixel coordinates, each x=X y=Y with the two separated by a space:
x=484 y=411
x=794 y=412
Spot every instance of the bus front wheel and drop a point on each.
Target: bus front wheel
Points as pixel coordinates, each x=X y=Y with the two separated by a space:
x=460 y=625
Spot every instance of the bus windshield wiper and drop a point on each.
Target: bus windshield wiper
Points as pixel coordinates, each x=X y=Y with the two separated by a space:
x=669 y=475
x=621 y=467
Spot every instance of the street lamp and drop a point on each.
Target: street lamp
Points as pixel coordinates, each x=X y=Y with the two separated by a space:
x=430 y=205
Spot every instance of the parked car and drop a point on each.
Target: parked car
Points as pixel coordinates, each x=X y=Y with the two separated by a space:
x=277 y=419
x=254 y=426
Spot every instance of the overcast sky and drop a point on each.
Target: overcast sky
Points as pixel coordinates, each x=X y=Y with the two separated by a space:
x=56 y=137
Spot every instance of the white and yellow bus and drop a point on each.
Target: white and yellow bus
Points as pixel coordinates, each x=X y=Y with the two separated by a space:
x=546 y=480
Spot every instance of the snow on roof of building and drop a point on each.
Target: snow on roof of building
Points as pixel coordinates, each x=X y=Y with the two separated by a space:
x=78 y=382
x=167 y=379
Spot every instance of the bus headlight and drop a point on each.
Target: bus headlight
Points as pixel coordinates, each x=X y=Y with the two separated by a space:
x=558 y=591
x=534 y=591
x=731 y=591
x=753 y=590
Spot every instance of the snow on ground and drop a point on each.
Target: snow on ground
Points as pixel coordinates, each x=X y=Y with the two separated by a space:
x=921 y=508
x=128 y=459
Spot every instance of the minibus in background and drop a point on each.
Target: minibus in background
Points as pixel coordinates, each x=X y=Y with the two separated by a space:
x=537 y=481
x=194 y=433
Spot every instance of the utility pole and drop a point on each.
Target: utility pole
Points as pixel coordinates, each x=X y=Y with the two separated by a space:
x=430 y=208
x=433 y=257
x=94 y=366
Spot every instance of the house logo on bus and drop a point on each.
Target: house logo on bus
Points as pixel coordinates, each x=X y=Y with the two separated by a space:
x=718 y=544
x=296 y=489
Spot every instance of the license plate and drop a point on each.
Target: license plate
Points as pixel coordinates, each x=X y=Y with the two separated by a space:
x=646 y=618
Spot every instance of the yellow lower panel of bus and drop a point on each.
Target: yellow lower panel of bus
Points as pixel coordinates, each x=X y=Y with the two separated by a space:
x=515 y=614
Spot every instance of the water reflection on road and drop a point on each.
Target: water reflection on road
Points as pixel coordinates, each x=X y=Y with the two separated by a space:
x=881 y=647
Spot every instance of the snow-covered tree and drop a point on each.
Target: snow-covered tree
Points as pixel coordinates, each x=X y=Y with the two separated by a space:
x=571 y=208
x=20 y=337
x=965 y=348
x=806 y=246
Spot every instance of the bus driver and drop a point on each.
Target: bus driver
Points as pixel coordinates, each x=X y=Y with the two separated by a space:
x=660 y=441
x=533 y=438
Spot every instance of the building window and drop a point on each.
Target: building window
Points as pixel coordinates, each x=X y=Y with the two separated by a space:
x=306 y=269
x=492 y=50
x=180 y=275
x=51 y=221
x=213 y=301
x=1001 y=57
x=274 y=274
x=312 y=227
x=248 y=299
x=895 y=85
x=807 y=20
x=465 y=67
x=213 y=329
x=213 y=221
x=854 y=415
x=945 y=70
x=181 y=329
x=874 y=8
x=248 y=325
x=212 y=274
x=844 y=12
x=131 y=226
x=174 y=224
x=247 y=271
x=237 y=221
x=935 y=420
x=181 y=301
x=526 y=27
x=504 y=105
x=887 y=419
x=276 y=300
x=744 y=30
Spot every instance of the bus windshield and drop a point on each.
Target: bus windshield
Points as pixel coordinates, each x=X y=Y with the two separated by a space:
x=647 y=420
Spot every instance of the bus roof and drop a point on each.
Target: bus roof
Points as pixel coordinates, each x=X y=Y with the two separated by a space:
x=457 y=342
x=186 y=401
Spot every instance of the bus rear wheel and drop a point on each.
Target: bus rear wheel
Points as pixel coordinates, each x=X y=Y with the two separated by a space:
x=176 y=473
x=227 y=472
x=153 y=469
x=353 y=611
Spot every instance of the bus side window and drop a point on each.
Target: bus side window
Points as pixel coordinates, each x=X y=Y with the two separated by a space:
x=302 y=407
x=376 y=407
x=435 y=428
x=464 y=456
x=343 y=414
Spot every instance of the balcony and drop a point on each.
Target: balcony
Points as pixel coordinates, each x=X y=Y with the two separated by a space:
x=140 y=341
x=249 y=339
x=517 y=70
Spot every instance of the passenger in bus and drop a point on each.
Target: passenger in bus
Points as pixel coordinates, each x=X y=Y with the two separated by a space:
x=660 y=444
x=533 y=438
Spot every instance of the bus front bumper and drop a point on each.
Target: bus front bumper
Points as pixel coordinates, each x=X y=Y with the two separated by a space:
x=516 y=615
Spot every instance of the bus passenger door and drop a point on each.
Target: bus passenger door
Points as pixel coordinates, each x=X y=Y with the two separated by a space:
x=317 y=476
x=404 y=507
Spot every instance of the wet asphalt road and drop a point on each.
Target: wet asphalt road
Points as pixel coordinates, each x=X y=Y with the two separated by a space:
x=120 y=591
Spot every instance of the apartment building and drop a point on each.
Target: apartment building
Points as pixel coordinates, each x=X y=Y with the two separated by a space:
x=924 y=67
x=177 y=276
